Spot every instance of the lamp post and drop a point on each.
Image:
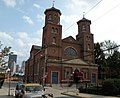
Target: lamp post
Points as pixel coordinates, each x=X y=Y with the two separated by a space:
x=9 y=78
x=45 y=67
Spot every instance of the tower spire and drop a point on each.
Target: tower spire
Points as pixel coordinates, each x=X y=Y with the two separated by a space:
x=53 y=3
x=83 y=14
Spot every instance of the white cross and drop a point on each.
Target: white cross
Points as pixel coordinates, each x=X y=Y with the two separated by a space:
x=53 y=3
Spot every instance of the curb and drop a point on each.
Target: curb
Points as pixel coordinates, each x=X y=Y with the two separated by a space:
x=74 y=95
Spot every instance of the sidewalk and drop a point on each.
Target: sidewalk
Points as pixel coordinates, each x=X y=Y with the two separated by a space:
x=71 y=91
x=4 y=93
x=83 y=95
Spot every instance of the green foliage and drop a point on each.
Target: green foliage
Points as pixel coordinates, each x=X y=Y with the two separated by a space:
x=107 y=57
x=100 y=60
x=109 y=47
x=3 y=53
x=114 y=65
x=98 y=53
x=111 y=87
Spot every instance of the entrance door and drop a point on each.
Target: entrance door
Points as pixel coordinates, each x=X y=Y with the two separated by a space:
x=54 y=77
x=93 y=78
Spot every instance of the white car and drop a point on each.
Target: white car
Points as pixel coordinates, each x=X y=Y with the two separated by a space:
x=33 y=90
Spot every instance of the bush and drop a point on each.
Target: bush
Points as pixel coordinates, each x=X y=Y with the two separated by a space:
x=111 y=87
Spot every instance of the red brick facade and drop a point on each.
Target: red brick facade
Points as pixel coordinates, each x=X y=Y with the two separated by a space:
x=57 y=58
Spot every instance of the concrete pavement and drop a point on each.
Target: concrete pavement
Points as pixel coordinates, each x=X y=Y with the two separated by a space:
x=71 y=91
x=83 y=95
x=4 y=93
x=58 y=92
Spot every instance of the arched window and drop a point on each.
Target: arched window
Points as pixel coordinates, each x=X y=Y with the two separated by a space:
x=52 y=31
x=70 y=52
x=56 y=30
x=83 y=28
x=88 y=46
x=49 y=17
x=53 y=40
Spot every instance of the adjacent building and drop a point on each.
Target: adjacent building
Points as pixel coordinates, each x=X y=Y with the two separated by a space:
x=12 y=62
x=55 y=61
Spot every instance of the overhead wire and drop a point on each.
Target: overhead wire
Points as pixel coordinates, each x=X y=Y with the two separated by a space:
x=85 y=13
x=98 y=17
x=90 y=54
x=107 y=12
x=93 y=7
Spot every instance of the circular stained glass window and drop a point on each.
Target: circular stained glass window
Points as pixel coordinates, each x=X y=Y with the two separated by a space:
x=70 y=52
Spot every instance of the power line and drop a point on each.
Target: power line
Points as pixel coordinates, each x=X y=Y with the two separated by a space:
x=86 y=13
x=93 y=7
x=107 y=12
x=111 y=48
x=98 y=17
x=103 y=50
x=69 y=27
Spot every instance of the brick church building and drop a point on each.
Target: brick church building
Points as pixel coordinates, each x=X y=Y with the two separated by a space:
x=57 y=58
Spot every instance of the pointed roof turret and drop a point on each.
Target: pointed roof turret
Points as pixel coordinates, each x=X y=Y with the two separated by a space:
x=53 y=9
x=84 y=20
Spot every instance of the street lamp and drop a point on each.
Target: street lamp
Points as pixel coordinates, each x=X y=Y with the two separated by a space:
x=9 y=77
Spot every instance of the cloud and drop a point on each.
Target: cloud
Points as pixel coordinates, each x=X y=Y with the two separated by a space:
x=105 y=21
x=13 y=3
x=6 y=39
x=70 y=19
x=23 y=35
x=10 y=3
x=28 y=20
x=21 y=11
x=21 y=43
x=36 y=5
x=76 y=6
x=40 y=17
x=5 y=36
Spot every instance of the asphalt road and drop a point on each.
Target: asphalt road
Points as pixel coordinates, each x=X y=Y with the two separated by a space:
x=4 y=91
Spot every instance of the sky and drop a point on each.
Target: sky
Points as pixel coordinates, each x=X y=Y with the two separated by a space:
x=22 y=21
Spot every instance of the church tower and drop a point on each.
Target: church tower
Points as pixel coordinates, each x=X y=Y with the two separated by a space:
x=52 y=33
x=85 y=39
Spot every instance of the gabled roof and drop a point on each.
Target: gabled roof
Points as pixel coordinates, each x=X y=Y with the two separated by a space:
x=75 y=61
x=35 y=47
x=69 y=39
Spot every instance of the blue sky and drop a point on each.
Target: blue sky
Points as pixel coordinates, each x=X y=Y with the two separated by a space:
x=21 y=21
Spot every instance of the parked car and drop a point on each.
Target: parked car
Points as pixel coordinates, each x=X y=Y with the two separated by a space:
x=34 y=90
x=19 y=91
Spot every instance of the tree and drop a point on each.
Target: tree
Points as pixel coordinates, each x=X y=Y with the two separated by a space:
x=112 y=57
x=4 y=52
x=107 y=57
x=114 y=64
x=109 y=47
x=101 y=61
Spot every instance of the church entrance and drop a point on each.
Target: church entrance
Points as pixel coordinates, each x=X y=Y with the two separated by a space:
x=55 y=77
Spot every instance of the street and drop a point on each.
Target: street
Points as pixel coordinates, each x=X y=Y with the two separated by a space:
x=56 y=90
